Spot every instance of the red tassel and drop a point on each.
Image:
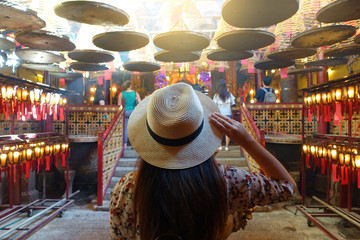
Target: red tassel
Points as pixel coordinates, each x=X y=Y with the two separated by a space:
x=335 y=175
x=323 y=166
x=0 y=175
x=15 y=173
x=47 y=167
x=55 y=117
x=62 y=114
x=318 y=113
x=308 y=161
x=27 y=172
x=358 y=178
x=350 y=110
x=55 y=159
x=344 y=175
x=63 y=159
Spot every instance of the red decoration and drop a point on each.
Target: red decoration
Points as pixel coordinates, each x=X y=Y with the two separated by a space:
x=47 y=167
x=27 y=172
x=335 y=174
x=100 y=80
x=308 y=161
x=284 y=73
x=62 y=81
x=344 y=175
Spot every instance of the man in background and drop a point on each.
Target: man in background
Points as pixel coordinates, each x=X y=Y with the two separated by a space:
x=265 y=94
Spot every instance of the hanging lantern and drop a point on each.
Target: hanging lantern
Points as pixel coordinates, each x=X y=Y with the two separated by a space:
x=64 y=101
x=306 y=102
x=317 y=151
x=43 y=98
x=312 y=150
x=334 y=155
x=324 y=98
x=309 y=101
x=29 y=154
x=16 y=157
x=32 y=96
x=347 y=159
x=36 y=95
x=9 y=92
x=3 y=157
x=24 y=94
x=18 y=93
x=47 y=98
x=57 y=148
x=3 y=91
x=341 y=158
x=357 y=161
x=344 y=93
x=338 y=95
x=64 y=147
x=328 y=97
x=10 y=157
x=37 y=152
x=305 y=148
x=333 y=94
x=318 y=98
x=351 y=92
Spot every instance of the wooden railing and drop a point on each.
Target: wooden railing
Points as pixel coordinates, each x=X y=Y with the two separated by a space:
x=281 y=118
x=86 y=120
x=255 y=132
x=110 y=149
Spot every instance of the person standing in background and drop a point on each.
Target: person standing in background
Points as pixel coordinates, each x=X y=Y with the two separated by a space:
x=266 y=93
x=224 y=99
x=100 y=97
x=131 y=98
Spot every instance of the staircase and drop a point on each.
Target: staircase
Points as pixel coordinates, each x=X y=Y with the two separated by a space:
x=128 y=161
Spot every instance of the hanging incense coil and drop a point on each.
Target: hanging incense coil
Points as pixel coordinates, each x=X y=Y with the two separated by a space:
x=19 y=18
x=339 y=11
x=93 y=13
x=176 y=56
x=66 y=75
x=91 y=56
x=45 y=40
x=329 y=62
x=304 y=70
x=323 y=36
x=141 y=66
x=257 y=13
x=92 y=67
x=42 y=67
x=181 y=41
x=343 y=51
x=267 y=64
x=292 y=53
x=120 y=41
x=39 y=56
x=228 y=55
x=243 y=40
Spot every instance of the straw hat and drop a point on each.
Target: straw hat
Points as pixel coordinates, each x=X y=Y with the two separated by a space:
x=170 y=128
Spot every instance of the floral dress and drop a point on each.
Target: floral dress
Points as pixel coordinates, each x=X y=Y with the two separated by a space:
x=245 y=190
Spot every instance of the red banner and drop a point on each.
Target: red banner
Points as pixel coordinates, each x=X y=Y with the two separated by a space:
x=335 y=175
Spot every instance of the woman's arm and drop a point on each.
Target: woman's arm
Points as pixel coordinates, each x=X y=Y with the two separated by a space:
x=120 y=99
x=237 y=133
x=138 y=99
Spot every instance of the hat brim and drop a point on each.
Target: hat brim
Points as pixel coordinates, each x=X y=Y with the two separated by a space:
x=169 y=157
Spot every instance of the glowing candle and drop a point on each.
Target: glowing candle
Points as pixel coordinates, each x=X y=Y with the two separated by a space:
x=57 y=148
x=338 y=95
x=24 y=94
x=357 y=161
x=37 y=152
x=29 y=153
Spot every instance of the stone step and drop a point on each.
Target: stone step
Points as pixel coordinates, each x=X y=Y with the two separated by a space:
x=127 y=162
x=114 y=181
x=122 y=171
x=107 y=195
x=236 y=162
x=130 y=153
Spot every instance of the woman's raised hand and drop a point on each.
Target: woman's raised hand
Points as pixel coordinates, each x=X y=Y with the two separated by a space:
x=233 y=129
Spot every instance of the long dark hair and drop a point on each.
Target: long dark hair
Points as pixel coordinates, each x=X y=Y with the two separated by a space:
x=190 y=203
x=222 y=91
